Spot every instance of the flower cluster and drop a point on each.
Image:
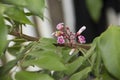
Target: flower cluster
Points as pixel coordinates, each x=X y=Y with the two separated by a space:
x=64 y=35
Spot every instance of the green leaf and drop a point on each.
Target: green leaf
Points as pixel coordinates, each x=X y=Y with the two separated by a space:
x=45 y=56
x=108 y=46
x=17 y=15
x=6 y=77
x=3 y=35
x=7 y=67
x=72 y=67
x=64 y=53
x=96 y=62
x=2 y=8
x=13 y=50
x=97 y=65
x=44 y=44
x=38 y=54
x=106 y=76
x=47 y=40
x=57 y=75
x=35 y=6
x=46 y=62
x=94 y=8
x=18 y=2
x=82 y=75
x=24 y=75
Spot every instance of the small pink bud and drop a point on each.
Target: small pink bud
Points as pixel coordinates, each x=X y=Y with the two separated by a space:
x=72 y=36
x=68 y=30
x=81 y=30
x=81 y=39
x=60 y=40
x=60 y=26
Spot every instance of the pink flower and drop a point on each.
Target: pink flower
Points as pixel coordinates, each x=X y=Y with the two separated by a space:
x=81 y=39
x=60 y=40
x=60 y=26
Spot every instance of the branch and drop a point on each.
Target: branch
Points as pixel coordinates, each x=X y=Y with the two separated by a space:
x=29 y=38
x=85 y=46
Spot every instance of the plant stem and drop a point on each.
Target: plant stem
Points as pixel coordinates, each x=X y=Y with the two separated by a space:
x=29 y=38
x=84 y=46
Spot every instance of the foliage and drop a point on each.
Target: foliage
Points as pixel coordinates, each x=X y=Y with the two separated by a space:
x=96 y=61
x=94 y=7
x=107 y=47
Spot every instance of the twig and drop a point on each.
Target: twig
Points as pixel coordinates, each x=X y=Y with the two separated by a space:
x=85 y=46
x=29 y=38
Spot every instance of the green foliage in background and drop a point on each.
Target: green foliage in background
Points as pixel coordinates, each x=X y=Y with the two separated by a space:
x=96 y=61
x=94 y=7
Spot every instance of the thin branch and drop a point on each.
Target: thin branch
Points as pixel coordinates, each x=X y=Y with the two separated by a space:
x=85 y=46
x=29 y=38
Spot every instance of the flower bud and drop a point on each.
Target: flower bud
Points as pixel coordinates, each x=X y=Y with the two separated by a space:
x=81 y=30
x=72 y=51
x=60 y=26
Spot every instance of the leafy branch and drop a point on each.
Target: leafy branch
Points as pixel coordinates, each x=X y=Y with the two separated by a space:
x=62 y=58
